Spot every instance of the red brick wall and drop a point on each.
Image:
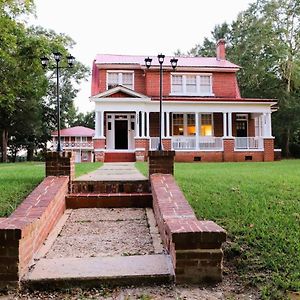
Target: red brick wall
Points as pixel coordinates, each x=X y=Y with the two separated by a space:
x=167 y=144
x=99 y=143
x=152 y=83
x=23 y=233
x=143 y=146
x=269 y=149
x=189 y=156
x=195 y=246
x=60 y=164
x=161 y=162
x=228 y=149
x=99 y=156
x=224 y=84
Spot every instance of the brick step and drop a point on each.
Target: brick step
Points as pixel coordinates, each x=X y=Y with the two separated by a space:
x=108 y=187
x=119 y=157
x=108 y=200
x=95 y=271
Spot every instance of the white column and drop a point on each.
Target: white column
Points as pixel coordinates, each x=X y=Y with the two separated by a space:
x=97 y=124
x=168 y=124
x=137 y=124
x=197 y=129
x=267 y=125
x=224 y=124
x=148 y=123
x=101 y=121
x=143 y=124
x=230 y=124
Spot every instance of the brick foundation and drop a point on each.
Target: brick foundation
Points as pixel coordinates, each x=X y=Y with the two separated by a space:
x=161 y=162
x=23 y=233
x=99 y=146
x=269 y=149
x=60 y=164
x=228 y=145
x=195 y=246
x=167 y=144
x=199 y=156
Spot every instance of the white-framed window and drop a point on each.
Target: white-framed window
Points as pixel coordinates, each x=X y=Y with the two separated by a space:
x=191 y=84
x=185 y=124
x=125 y=78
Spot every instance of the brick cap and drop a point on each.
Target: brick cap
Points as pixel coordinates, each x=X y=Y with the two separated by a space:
x=163 y=153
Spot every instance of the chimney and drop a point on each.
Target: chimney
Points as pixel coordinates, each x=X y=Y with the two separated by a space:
x=221 y=49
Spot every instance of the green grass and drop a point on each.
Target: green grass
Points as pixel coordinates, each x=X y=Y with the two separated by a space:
x=259 y=205
x=17 y=180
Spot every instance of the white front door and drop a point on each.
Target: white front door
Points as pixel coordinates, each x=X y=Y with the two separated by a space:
x=120 y=131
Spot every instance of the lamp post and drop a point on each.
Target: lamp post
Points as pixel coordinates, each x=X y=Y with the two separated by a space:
x=173 y=62
x=45 y=61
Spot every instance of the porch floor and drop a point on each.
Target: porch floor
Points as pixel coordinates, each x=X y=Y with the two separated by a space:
x=114 y=172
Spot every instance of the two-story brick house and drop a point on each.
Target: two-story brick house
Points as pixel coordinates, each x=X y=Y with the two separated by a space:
x=77 y=139
x=204 y=117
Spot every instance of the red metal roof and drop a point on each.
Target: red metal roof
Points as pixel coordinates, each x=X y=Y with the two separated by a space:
x=210 y=62
x=75 y=131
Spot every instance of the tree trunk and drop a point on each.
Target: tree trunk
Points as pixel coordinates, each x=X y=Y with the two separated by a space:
x=287 y=143
x=30 y=153
x=4 y=145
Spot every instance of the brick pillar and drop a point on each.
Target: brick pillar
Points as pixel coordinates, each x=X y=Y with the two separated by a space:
x=228 y=145
x=141 y=149
x=161 y=162
x=99 y=148
x=167 y=144
x=268 y=149
x=60 y=164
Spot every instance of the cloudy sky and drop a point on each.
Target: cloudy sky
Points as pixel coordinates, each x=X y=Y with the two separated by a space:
x=133 y=26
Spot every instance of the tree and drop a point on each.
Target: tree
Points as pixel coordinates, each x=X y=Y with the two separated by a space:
x=86 y=120
x=265 y=41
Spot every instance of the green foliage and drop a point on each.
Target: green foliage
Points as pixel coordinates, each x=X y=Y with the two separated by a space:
x=265 y=41
x=86 y=120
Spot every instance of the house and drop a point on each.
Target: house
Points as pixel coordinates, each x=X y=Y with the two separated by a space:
x=78 y=139
x=204 y=116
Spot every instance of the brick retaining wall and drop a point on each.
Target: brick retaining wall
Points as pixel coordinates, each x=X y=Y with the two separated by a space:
x=195 y=246
x=23 y=233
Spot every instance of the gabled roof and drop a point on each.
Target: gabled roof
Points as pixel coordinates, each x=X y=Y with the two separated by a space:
x=75 y=131
x=183 y=61
x=122 y=89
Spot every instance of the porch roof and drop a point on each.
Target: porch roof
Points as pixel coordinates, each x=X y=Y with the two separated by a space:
x=75 y=131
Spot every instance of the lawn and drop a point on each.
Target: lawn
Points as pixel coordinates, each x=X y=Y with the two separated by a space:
x=259 y=205
x=17 y=180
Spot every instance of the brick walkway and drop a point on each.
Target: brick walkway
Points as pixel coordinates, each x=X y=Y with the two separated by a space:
x=112 y=172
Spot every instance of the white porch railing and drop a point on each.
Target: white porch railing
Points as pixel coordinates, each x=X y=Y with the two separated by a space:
x=245 y=143
x=184 y=142
x=210 y=143
x=71 y=145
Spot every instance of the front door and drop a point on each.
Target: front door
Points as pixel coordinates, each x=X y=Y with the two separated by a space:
x=241 y=128
x=121 y=134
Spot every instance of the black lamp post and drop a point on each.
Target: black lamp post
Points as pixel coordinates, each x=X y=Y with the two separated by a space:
x=58 y=57
x=173 y=62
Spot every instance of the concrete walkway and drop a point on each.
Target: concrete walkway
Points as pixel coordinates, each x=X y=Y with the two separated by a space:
x=114 y=172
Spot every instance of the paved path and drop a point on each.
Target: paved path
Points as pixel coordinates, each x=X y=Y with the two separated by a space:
x=113 y=172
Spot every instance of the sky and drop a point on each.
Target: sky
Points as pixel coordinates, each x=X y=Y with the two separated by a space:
x=137 y=27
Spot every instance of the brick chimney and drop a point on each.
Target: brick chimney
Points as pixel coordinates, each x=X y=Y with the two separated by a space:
x=221 y=53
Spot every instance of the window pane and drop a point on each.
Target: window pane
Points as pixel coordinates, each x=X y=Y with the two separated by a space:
x=112 y=80
x=206 y=125
x=178 y=124
x=177 y=84
x=191 y=84
x=205 y=84
x=127 y=80
x=191 y=129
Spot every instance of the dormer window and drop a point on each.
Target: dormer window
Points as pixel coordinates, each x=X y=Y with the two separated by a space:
x=115 y=78
x=191 y=84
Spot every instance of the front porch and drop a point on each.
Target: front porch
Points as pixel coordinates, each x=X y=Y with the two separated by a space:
x=194 y=136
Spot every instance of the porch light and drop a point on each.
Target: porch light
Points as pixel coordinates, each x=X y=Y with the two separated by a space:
x=44 y=61
x=161 y=58
x=173 y=62
x=57 y=56
x=70 y=59
x=148 y=61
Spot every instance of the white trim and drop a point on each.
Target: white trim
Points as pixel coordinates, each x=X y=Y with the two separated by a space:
x=119 y=88
x=193 y=150
x=249 y=150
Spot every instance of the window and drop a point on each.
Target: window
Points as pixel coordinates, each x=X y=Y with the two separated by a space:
x=191 y=129
x=191 y=84
x=206 y=125
x=178 y=124
x=119 y=78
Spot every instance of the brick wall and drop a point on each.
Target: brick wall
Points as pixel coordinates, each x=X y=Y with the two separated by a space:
x=161 y=162
x=269 y=149
x=142 y=147
x=99 y=156
x=23 y=233
x=228 y=145
x=167 y=144
x=224 y=84
x=99 y=143
x=190 y=156
x=195 y=246
x=60 y=164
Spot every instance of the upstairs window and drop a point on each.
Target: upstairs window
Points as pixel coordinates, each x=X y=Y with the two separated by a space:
x=115 y=78
x=191 y=84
